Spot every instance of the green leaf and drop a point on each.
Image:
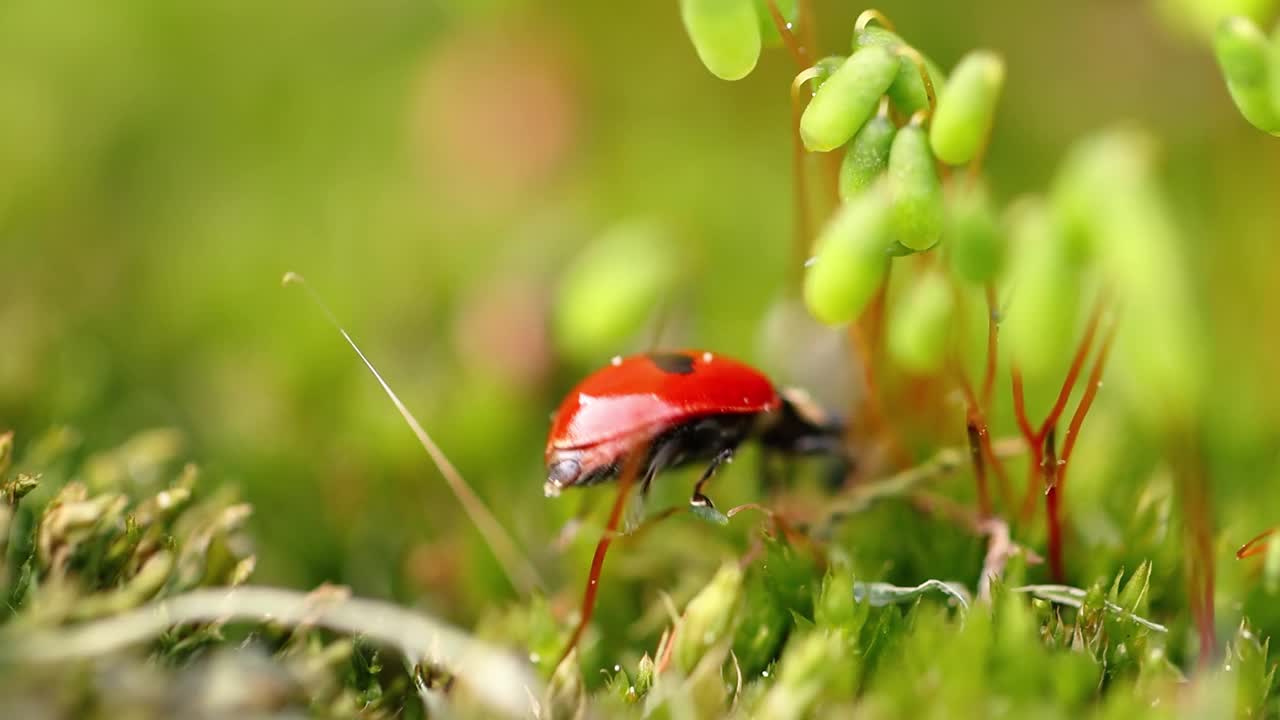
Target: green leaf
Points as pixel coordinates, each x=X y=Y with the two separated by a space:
x=765 y=623
x=879 y=594
x=708 y=617
x=1255 y=676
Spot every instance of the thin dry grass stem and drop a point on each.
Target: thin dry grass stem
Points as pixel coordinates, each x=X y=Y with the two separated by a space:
x=1000 y=548
x=799 y=53
x=520 y=572
x=491 y=675
x=625 y=481
x=1000 y=545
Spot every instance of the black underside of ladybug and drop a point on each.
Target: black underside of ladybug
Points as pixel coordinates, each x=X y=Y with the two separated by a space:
x=713 y=439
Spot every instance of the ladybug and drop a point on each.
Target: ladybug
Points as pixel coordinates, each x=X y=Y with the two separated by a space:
x=678 y=408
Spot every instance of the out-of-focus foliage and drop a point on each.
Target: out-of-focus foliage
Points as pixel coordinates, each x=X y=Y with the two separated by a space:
x=437 y=171
x=94 y=539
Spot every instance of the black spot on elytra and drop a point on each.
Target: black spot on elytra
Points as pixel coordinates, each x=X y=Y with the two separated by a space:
x=672 y=362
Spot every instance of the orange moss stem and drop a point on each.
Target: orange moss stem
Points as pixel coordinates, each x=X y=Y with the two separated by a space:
x=625 y=481
x=799 y=53
x=1255 y=546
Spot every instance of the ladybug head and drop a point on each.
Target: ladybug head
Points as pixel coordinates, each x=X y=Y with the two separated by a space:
x=561 y=473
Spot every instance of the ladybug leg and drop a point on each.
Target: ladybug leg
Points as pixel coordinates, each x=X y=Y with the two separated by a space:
x=637 y=505
x=702 y=501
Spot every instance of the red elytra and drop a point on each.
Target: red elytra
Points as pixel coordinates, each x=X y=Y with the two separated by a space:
x=677 y=407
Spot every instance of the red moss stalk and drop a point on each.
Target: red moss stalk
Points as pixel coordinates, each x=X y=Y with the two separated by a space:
x=1035 y=438
x=1198 y=539
x=625 y=481
x=977 y=456
x=795 y=47
x=1255 y=546
x=1053 y=501
x=981 y=454
x=802 y=228
x=993 y=332
x=1036 y=460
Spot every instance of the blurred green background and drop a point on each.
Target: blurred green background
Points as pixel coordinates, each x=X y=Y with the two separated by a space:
x=433 y=167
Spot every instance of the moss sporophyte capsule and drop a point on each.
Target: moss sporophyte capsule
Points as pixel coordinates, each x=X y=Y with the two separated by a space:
x=867 y=156
x=1251 y=67
x=847 y=99
x=966 y=107
x=907 y=91
x=851 y=258
x=725 y=34
x=1041 y=320
x=975 y=240
x=915 y=193
x=610 y=289
x=921 y=324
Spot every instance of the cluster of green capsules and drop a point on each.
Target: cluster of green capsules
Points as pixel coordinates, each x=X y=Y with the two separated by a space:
x=1250 y=63
x=1103 y=230
x=879 y=105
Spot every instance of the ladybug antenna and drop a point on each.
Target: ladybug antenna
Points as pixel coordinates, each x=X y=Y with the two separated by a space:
x=520 y=572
